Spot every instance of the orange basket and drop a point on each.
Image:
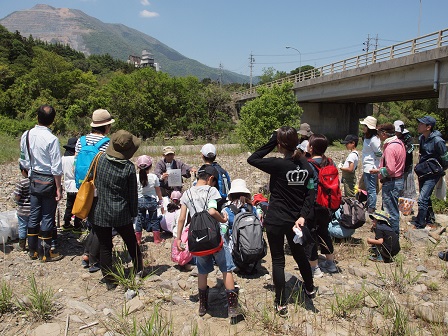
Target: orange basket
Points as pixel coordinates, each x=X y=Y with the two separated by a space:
x=405 y=205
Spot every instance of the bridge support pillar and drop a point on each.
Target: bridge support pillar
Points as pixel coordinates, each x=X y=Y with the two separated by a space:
x=333 y=119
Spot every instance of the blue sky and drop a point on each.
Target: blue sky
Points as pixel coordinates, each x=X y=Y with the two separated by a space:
x=227 y=32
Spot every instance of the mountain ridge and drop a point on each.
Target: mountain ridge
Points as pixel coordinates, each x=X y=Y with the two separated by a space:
x=90 y=35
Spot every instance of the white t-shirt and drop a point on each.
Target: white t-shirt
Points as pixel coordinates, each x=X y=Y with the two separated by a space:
x=369 y=159
x=149 y=189
x=352 y=157
x=68 y=169
x=198 y=195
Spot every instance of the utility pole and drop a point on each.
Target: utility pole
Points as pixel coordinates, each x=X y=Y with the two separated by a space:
x=251 y=65
x=368 y=45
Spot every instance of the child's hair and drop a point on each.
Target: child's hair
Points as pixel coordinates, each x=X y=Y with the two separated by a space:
x=288 y=139
x=143 y=176
x=171 y=207
x=319 y=142
x=144 y=163
x=242 y=197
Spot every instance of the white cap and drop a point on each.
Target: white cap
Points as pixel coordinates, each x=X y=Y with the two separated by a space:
x=399 y=126
x=208 y=150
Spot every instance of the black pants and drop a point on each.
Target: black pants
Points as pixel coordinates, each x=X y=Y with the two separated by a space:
x=322 y=239
x=276 y=245
x=68 y=210
x=92 y=247
x=126 y=232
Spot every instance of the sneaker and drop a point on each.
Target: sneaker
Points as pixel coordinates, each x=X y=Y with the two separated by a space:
x=94 y=268
x=282 y=311
x=377 y=258
x=317 y=273
x=330 y=266
x=311 y=294
x=443 y=255
x=85 y=264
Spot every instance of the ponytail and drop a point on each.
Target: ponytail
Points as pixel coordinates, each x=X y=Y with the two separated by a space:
x=143 y=176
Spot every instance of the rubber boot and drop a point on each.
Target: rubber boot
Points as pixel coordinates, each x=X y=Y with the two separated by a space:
x=32 y=244
x=203 y=301
x=46 y=254
x=22 y=244
x=436 y=233
x=138 y=236
x=232 y=300
x=157 y=238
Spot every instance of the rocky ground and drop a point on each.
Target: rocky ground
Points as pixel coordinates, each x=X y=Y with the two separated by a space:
x=407 y=297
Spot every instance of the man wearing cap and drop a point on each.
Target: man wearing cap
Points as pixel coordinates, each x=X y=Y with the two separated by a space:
x=165 y=165
x=305 y=133
x=208 y=152
x=391 y=172
x=41 y=156
x=431 y=146
x=408 y=178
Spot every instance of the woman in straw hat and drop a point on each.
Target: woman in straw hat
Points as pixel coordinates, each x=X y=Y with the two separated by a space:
x=116 y=204
x=371 y=155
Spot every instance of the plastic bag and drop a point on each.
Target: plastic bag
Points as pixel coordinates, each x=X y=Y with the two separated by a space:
x=181 y=257
x=9 y=226
x=440 y=189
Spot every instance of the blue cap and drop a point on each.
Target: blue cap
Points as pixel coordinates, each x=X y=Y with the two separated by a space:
x=427 y=120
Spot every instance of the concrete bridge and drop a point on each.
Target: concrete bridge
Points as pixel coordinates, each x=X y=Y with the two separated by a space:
x=334 y=97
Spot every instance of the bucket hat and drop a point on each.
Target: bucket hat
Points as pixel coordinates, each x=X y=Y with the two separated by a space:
x=123 y=145
x=369 y=121
x=101 y=117
x=305 y=130
x=144 y=161
x=238 y=186
x=70 y=147
x=380 y=215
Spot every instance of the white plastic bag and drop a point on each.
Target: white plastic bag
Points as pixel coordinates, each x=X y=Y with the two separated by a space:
x=9 y=227
x=440 y=189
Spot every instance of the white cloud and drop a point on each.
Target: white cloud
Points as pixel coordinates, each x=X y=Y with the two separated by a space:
x=145 y=2
x=147 y=14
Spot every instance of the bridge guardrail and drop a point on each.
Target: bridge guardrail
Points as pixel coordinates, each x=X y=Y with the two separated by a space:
x=419 y=44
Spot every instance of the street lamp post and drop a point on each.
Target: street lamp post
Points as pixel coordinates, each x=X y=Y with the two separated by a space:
x=300 y=54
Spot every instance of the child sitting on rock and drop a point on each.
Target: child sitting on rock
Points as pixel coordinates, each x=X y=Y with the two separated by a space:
x=385 y=245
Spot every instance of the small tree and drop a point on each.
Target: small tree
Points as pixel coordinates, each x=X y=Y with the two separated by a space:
x=274 y=107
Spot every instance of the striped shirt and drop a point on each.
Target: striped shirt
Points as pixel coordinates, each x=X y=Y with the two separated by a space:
x=22 y=189
x=91 y=139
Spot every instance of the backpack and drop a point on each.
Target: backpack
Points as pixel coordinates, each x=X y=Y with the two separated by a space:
x=204 y=234
x=353 y=213
x=223 y=180
x=85 y=158
x=328 y=188
x=249 y=246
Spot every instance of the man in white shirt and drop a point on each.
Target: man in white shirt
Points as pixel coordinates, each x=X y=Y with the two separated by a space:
x=40 y=154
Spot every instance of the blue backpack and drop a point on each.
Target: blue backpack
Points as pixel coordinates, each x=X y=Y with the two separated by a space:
x=85 y=158
x=223 y=180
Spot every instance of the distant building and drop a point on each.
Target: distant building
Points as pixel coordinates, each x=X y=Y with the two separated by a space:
x=147 y=60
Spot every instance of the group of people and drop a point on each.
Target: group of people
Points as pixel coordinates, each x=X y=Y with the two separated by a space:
x=130 y=198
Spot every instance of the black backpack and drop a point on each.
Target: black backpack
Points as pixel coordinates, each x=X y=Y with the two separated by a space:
x=249 y=246
x=353 y=214
x=204 y=234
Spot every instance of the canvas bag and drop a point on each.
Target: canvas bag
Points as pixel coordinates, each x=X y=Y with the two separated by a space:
x=249 y=246
x=328 y=189
x=85 y=157
x=184 y=256
x=86 y=193
x=204 y=235
x=353 y=214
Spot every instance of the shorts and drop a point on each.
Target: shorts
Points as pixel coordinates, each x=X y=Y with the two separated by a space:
x=205 y=263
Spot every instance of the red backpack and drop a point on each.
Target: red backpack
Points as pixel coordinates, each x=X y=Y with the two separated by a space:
x=328 y=188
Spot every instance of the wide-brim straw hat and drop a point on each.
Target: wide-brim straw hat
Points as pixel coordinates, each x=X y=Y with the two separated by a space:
x=123 y=145
x=369 y=121
x=101 y=117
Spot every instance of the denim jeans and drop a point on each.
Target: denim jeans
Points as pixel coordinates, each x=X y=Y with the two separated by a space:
x=425 y=212
x=147 y=215
x=391 y=191
x=370 y=182
x=42 y=214
x=23 y=226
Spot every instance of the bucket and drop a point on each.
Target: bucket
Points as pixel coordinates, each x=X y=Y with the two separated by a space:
x=405 y=205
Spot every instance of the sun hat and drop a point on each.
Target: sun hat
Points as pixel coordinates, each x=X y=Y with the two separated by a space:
x=123 y=145
x=350 y=138
x=70 y=147
x=305 y=130
x=380 y=215
x=209 y=169
x=369 y=121
x=427 y=120
x=101 y=117
x=208 y=150
x=144 y=161
x=399 y=126
x=168 y=150
x=176 y=194
x=238 y=186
